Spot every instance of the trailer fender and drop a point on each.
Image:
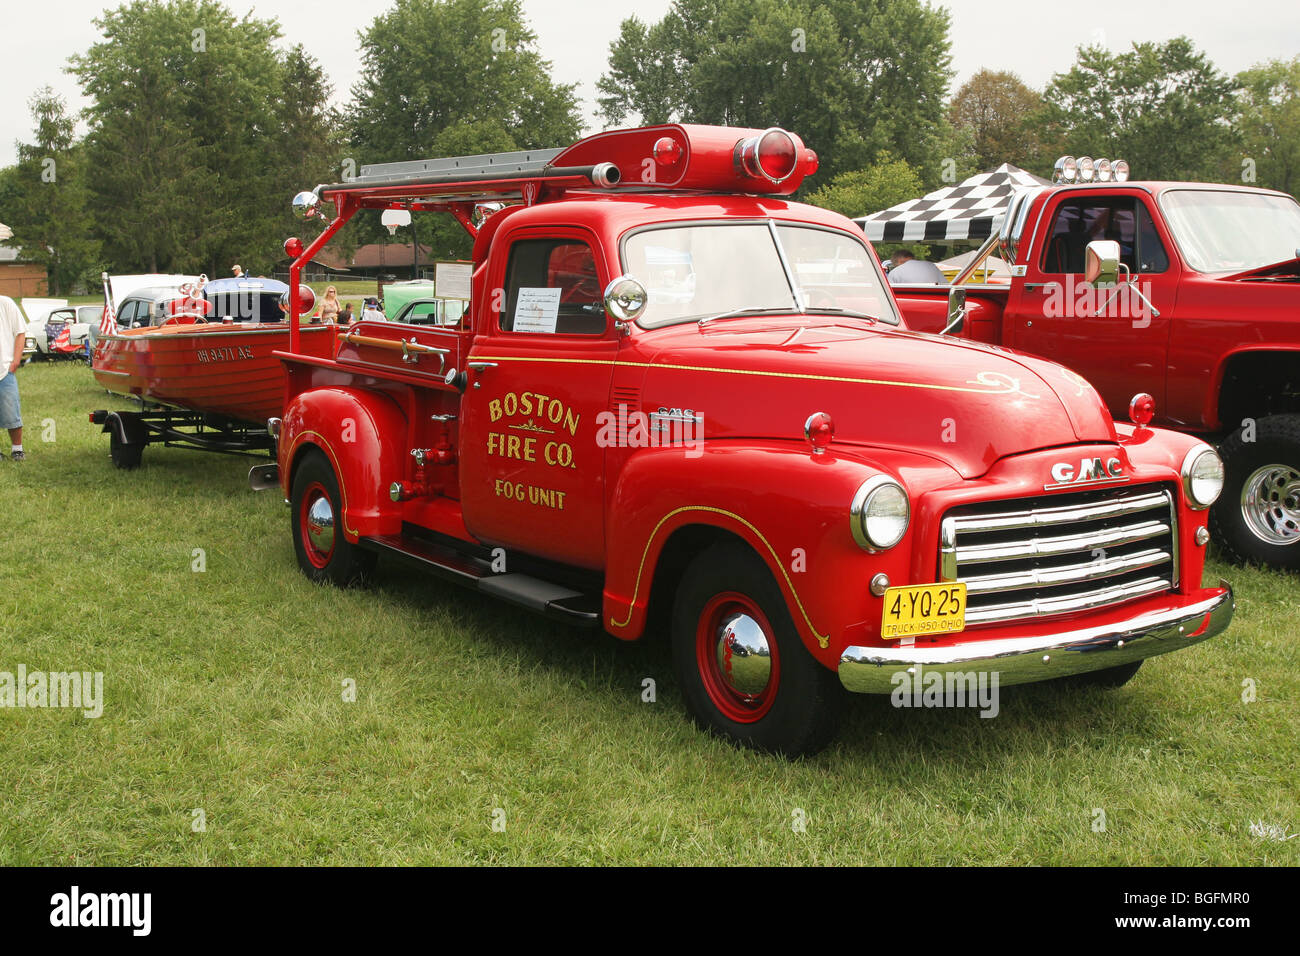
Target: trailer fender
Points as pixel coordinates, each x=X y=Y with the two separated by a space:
x=127 y=428
x=364 y=435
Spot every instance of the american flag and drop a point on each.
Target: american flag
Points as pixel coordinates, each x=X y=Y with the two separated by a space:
x=108 y=323
x=63 y=341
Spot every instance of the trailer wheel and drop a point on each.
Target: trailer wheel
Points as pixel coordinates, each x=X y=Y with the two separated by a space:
x=1257 y=518
x=743 y=669
x=125 y=455
x=324 y=552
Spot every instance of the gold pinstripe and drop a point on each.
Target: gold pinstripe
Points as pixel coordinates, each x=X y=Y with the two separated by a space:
x=822 y=639
x=1000 y=389
x=334 y=461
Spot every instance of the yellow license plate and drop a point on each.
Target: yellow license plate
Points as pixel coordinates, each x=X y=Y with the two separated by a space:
x=923 y=610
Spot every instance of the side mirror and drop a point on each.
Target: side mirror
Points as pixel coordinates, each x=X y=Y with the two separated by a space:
x=956 y=311
x=625 y=298
x=306 y=205
x=1102 y=262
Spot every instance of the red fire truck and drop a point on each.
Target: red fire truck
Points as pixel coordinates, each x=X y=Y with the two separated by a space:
x=681 y=402
x=1205 y=317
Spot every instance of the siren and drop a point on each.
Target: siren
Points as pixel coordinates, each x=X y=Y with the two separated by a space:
x=772 y=155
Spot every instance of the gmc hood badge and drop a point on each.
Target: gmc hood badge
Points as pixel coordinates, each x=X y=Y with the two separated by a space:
x=1089 y=471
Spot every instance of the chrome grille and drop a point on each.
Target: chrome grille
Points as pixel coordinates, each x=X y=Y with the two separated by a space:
x=1055 y=554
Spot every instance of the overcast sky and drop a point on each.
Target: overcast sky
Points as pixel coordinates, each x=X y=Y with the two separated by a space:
x=575 y=37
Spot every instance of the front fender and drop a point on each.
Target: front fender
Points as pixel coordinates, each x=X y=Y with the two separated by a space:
x=364 y=436
x=791 y=507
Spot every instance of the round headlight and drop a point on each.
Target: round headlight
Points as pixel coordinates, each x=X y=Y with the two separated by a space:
x=880 y=513
x=1202 y=476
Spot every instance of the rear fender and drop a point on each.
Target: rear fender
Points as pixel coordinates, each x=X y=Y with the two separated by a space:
x=364 y=436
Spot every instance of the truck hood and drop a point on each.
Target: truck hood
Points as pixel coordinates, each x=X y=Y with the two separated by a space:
x=963 y=403
x=1286 y=271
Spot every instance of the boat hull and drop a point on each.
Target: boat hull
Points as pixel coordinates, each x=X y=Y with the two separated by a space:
x=222 y=370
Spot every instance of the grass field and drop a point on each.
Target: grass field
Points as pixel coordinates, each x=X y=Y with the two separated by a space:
x=223 y=692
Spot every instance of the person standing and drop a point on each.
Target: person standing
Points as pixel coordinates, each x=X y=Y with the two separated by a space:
x=345 y=317
x=909 y=270
x=13 y=336
x=238 y=271
x=329 y=309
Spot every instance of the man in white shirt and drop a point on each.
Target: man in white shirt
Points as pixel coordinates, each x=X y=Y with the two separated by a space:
x=909 y=270
x=13 y=335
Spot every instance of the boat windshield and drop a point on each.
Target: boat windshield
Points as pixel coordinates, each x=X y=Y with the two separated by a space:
x=703 y=271
x=1220 y=230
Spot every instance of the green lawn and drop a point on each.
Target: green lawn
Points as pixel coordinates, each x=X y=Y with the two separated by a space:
x=223 y=692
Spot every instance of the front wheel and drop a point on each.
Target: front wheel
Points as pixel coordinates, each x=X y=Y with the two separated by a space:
x=743 y=669
x=324 y=552
x=1257 y=518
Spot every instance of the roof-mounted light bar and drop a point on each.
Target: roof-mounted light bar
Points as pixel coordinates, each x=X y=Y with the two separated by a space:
x=1069 y=170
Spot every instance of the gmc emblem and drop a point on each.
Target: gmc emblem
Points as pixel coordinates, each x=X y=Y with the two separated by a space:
x=1090 y=469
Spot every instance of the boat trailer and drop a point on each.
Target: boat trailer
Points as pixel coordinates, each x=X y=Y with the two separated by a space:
x=130 y=432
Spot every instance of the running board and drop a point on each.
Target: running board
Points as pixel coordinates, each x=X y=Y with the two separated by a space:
x=545 y=597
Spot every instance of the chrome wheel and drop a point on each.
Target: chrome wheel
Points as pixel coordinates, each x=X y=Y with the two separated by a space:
x=1270 y=504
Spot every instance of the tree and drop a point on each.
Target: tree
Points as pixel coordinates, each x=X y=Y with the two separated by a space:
x=1269 y=123
x=200 y=129
x=1000 y=113
x=429 y=65
x=46 y=198
x=862 y=192
x=1164 y=107
x=855 y=78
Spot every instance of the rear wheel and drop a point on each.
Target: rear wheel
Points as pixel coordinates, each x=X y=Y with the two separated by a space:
x=324 y=552
x=742 y=666
x=1257 y=519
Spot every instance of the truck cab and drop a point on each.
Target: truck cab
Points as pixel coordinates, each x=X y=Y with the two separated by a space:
x=680 y=402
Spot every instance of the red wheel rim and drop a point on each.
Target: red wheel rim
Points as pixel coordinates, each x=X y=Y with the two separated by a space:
x=734 y=705
x=309 y=526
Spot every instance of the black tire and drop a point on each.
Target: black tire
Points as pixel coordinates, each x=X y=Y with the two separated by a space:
x=796 y=713
x=1107 y=679
x=125 y=455
x=1253 y=531
x=343 y=563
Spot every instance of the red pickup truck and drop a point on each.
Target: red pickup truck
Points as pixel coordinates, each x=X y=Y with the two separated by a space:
x=681 y=402
x=1205 y=317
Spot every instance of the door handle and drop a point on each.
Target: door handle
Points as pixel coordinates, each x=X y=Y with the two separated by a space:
x=480 y=366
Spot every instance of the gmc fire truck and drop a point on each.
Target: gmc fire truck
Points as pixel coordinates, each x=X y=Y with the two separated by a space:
x=680 y=402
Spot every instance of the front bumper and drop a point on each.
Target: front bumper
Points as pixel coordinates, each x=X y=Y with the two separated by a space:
x=1020 y=660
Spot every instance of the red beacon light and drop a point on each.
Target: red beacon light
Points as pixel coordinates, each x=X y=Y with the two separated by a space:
x=1141 y=409
x=667 y=151
x=293 y=247
x=772 y=155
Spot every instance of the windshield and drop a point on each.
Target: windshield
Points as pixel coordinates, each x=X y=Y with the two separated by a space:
x=1222 y=231
x=697 y=271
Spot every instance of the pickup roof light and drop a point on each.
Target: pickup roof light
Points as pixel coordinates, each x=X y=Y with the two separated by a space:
x=1066 y=170
x=772 y=155
x=667 y=151
x=1085 y=170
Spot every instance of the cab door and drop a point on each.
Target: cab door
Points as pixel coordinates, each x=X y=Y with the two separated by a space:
x=539 y=373
x=1109 y=336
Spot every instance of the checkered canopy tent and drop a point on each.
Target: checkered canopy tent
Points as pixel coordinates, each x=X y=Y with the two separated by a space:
x=971 y=210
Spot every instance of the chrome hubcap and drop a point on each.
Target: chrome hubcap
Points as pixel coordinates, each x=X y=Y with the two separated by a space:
x=1270 y=503
x=320 y=525
x=744 y=657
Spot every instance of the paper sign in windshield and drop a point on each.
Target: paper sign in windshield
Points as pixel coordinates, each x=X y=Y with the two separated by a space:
x=536 y=310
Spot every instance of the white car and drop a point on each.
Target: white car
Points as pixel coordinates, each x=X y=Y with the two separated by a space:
x=81 y=318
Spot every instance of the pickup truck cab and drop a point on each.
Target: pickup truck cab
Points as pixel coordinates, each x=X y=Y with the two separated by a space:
x=1205 y=318
x=681 y=402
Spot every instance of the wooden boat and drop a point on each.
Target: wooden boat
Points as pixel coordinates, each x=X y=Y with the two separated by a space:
x=208 y=352
x=215 y=368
